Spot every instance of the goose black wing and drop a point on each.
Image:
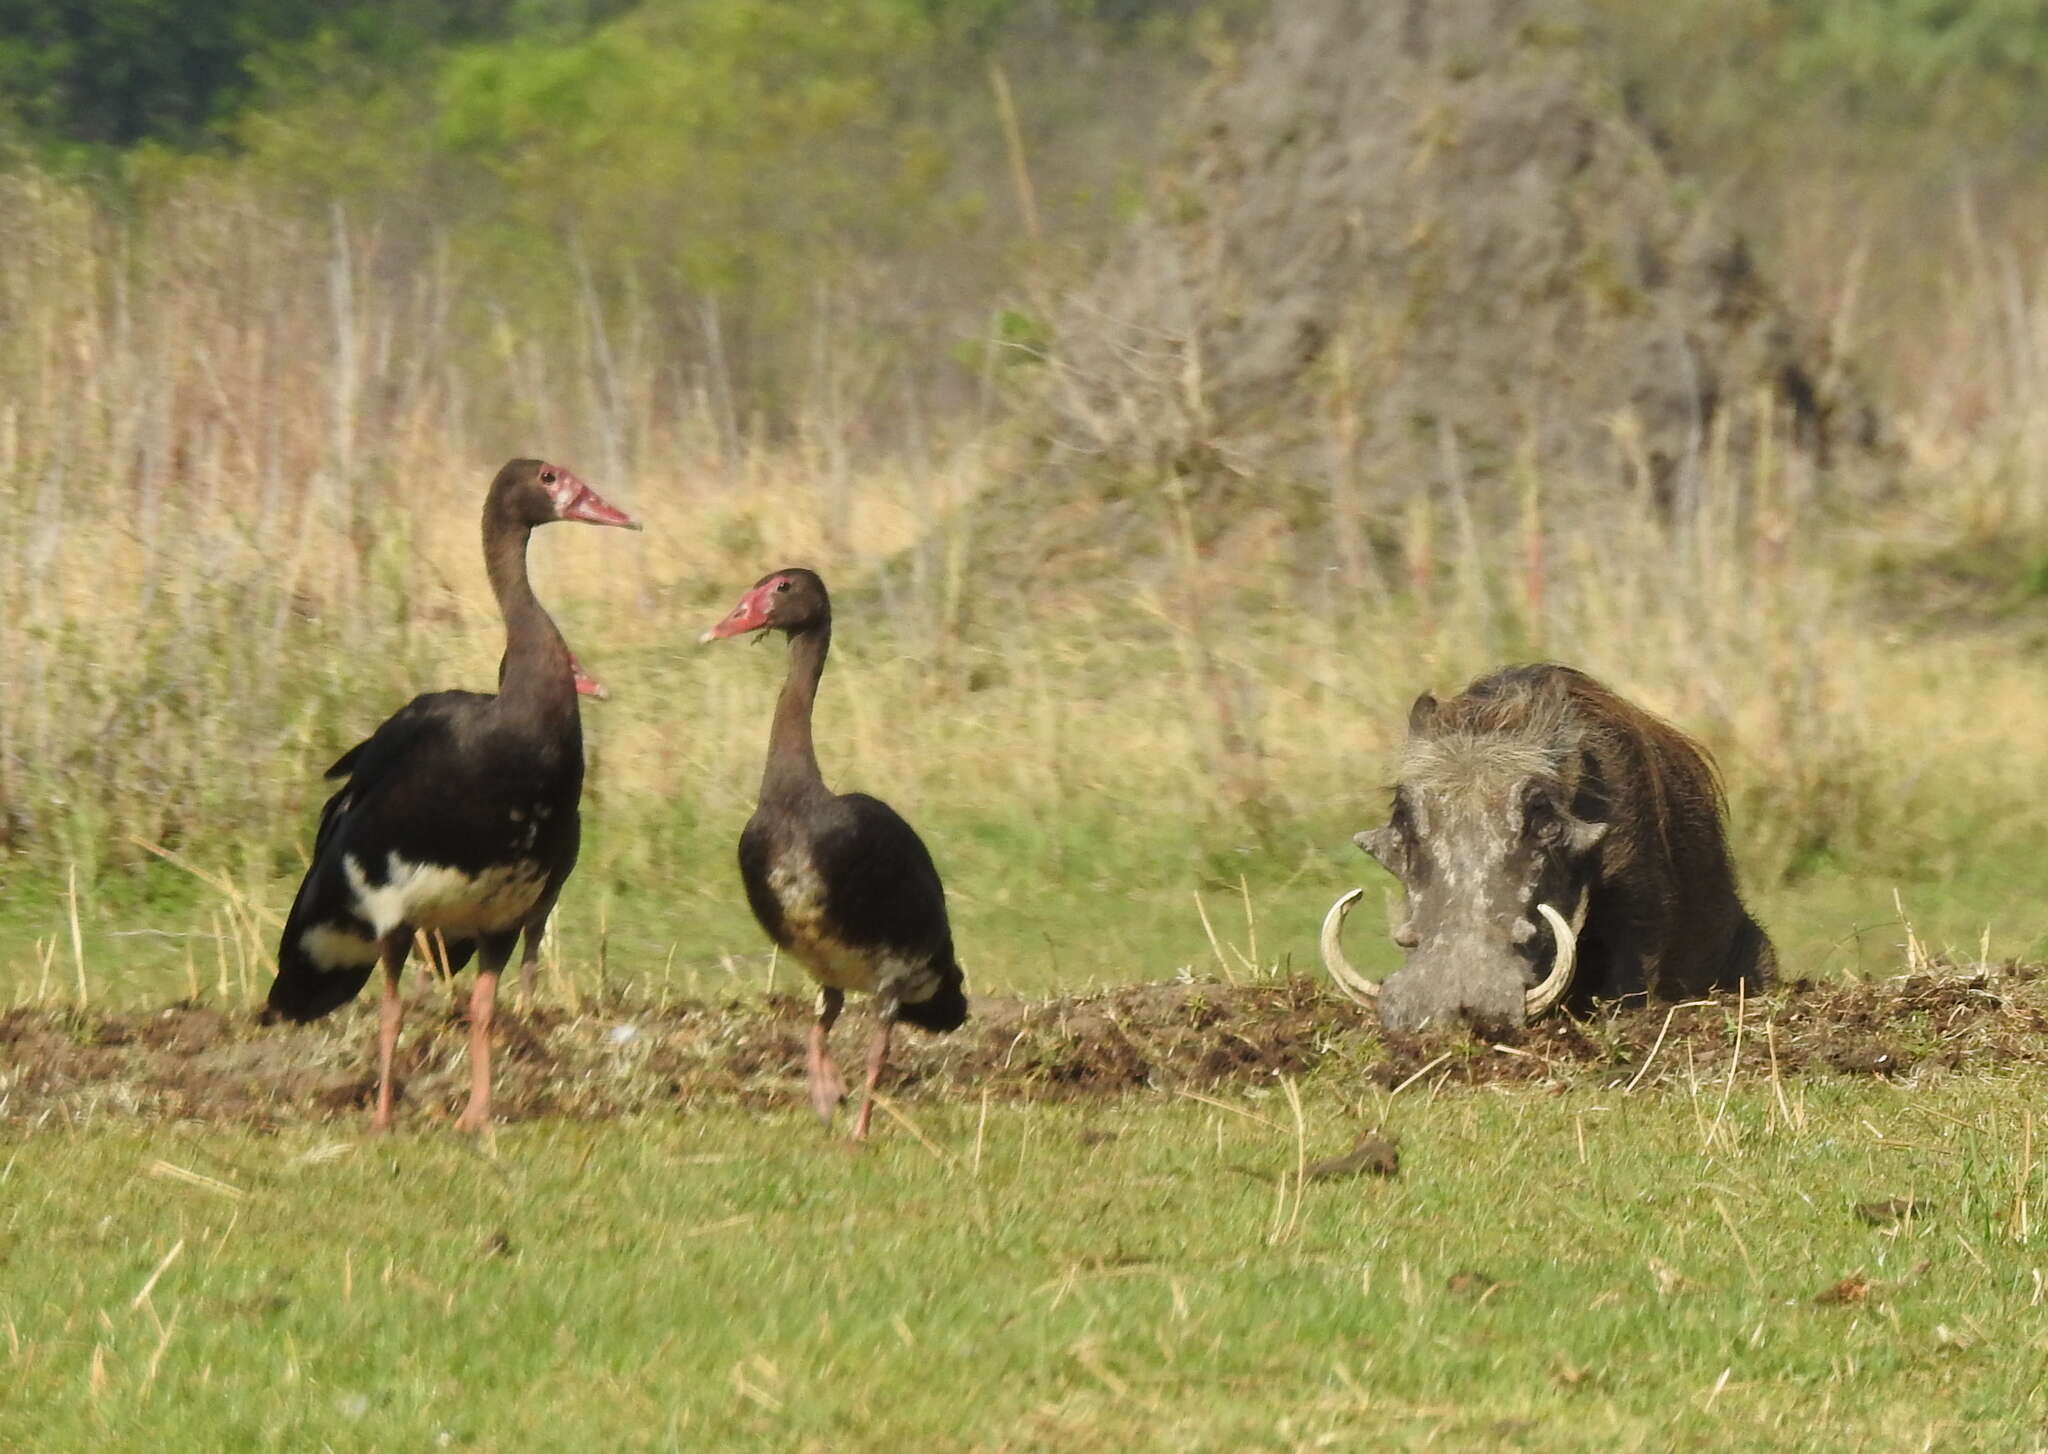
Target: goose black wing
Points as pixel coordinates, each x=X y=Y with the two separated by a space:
x=366 y=764
x=311 y=983
x=882 y=888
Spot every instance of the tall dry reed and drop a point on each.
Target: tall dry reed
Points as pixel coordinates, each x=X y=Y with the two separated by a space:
x=240 y=458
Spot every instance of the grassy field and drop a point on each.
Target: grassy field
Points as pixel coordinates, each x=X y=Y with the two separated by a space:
x=1546 y=1271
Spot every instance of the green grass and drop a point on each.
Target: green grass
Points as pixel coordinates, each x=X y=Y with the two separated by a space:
x=1123 y=1275
x=1036 y=911
x=1131 y=1275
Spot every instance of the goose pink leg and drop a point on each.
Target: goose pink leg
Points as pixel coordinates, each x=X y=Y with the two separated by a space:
x=828 y=1086
x=529 y=969
x=390 y=1015
x=878 y=1056
x=483 y=1005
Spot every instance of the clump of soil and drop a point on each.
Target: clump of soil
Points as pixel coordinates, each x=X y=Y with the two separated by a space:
x=1854 y=1288
x=1420 y=247
x=205 y=1063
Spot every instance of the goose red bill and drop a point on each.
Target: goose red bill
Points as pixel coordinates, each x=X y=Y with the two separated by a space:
x=575 y=500
x=751 y=614
x=593 y=509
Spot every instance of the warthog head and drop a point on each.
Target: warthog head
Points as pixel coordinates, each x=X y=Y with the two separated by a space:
x=1495 y=839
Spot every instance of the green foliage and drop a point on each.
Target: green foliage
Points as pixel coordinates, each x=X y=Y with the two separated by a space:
x=725 y=144
x=1879 y=85
x=753 y=185
x=117 y=72
x=1928 y=60
x=741 y=179
x=113 y=72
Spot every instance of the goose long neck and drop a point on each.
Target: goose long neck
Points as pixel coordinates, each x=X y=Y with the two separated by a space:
x=792 y=759
x=537 y=676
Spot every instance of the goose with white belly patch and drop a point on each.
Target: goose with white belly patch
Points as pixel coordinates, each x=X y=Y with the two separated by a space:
x=839 y=881
x=459 y=813
x=447 y=957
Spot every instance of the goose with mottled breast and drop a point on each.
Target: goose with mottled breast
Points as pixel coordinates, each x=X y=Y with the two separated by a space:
x=838 y=880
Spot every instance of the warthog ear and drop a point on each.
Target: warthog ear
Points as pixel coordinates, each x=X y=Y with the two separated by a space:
x=1384 y=844
x=1422 y=715
x=1581 y=836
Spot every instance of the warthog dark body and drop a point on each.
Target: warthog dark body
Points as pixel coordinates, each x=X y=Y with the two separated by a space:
x=1542 y=823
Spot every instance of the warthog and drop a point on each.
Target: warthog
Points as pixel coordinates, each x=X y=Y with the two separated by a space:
x=1557 y=845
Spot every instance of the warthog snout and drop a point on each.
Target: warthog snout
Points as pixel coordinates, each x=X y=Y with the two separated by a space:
x=1492 y=985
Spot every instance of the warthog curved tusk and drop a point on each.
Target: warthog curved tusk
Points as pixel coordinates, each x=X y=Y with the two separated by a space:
x=1544 y=995
x=1349 y=980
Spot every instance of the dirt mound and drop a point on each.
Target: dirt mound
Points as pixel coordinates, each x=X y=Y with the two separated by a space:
x=1423 y=247
x=196 y=1062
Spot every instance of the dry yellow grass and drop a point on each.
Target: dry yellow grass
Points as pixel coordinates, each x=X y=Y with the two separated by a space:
x=240 y=458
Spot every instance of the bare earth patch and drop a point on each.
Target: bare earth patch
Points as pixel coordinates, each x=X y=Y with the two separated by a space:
x=202 y=1063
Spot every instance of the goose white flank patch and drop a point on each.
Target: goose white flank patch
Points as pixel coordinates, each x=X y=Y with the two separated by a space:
x=436 y=896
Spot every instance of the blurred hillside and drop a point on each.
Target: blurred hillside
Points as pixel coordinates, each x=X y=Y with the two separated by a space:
x=1426 y=251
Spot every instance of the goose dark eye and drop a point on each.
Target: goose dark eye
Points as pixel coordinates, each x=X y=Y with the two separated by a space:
x=782 y=585
x=547 y=477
